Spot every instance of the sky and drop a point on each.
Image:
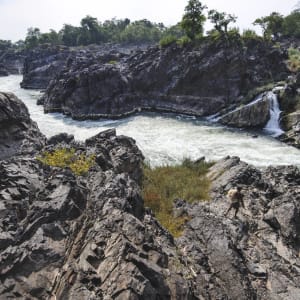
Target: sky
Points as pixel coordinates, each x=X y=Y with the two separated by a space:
x=16 y=16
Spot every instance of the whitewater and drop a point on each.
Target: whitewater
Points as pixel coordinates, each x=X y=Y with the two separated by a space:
x=165 y=139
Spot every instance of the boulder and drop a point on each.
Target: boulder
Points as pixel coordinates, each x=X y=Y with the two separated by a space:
x=253 y=115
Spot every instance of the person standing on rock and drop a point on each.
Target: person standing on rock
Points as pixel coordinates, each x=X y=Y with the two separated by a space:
x=235 y=197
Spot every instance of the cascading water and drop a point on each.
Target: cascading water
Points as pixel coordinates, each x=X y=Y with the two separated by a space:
x=273 y=126
x=164 y=139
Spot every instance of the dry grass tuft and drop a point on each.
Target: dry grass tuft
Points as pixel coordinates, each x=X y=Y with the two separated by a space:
x=162 y=185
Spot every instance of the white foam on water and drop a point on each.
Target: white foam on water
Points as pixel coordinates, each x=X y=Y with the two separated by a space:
x=164 y=139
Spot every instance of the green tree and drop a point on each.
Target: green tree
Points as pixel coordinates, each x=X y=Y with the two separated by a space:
x=142 y=31
x=90 y=32
x=193 y=19
x=291 y=24
x=221 y=20
x=51 y=37
x=272 y=25
x=69 y=35
x=5 y=45
x=32 y=37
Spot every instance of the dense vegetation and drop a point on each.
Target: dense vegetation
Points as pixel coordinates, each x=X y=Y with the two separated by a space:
x=189 y=29
x=68 y=158
x=162 y=185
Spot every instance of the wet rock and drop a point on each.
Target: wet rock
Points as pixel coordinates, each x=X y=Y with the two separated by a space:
x=254 y=115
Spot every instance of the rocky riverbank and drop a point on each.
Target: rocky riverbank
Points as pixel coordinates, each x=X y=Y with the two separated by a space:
x=191 y=80
x=64 y=236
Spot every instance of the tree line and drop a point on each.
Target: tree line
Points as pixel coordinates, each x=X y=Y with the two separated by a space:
x=191 y=28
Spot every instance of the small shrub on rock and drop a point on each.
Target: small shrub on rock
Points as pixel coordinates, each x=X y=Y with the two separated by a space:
x=167 y=40
x=68 y=158
x=162 y=185
x=294 y=60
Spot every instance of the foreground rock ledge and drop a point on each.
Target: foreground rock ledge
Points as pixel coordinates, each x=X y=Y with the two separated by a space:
x=67 y=237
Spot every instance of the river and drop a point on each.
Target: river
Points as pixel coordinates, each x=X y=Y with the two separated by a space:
x=165 y=139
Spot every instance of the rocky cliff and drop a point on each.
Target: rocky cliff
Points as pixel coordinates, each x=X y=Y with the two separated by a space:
x=11 y=62
x=18 y=133
x=42 y=64
x=64 y=236
x=290 y=103
x=192 y=80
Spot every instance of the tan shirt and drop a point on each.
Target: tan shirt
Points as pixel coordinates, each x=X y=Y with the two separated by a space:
x=235 y=196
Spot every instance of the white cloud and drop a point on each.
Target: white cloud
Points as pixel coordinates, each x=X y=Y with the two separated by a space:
x=18 y=15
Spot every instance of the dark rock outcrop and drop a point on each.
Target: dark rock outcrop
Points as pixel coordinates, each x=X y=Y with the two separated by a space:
x=253 y=115
x=18 y=133
x=290 y=121
x=90 y=237
x=253 y=256
x=12 y=61
x=42 y=64
x=3 y=70
x=198 y=81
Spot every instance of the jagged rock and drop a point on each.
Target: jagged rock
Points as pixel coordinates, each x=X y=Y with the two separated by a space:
x=12 y=61
x=18 y=133
x=3 y=71
x=249 y=257
x=61 y=138
x=292 y=125
x=64 y=236
x=42 y=64
x=249 y=116
x=197 y=81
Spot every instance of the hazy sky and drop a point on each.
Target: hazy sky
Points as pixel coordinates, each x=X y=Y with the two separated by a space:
x=18 y=15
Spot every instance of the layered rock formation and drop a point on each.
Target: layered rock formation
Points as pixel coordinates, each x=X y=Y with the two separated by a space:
x=3 y=70
x=11 y=62
x=198 y=81
x=18 y=133
x=42 y=64
x=290 y=103
x=90 y=237
x=254 y=115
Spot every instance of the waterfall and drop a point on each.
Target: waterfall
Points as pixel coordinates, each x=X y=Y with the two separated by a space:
x=273 y=126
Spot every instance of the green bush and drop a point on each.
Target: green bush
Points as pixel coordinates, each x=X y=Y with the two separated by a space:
x=167 y=40
x=294 y=60
x=162 y=185
x=250 y=35
x=183 y=41
x=68 y=158
x=112 y=62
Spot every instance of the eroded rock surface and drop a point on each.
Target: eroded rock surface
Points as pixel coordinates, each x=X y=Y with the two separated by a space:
x=254 y=115
x=196 y=81
x=253 y=256
x=18 y=133
x=42 y=64
x=90 y=237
